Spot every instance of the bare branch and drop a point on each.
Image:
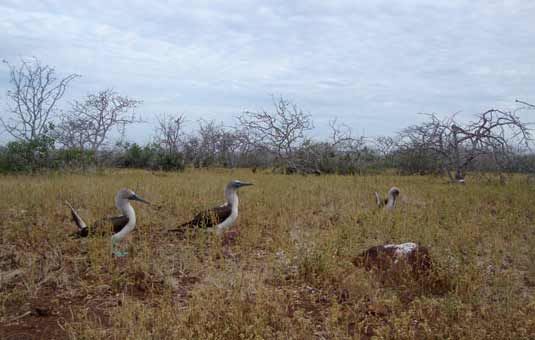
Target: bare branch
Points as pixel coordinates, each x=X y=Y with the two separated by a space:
x=493 y=132
x=90 y=121
x=525 y=103
x=35 y=93
x=280 y=131
x=169 y=132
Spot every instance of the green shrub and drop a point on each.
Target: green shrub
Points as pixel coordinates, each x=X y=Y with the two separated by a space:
x=150 y=156
x=27 y=156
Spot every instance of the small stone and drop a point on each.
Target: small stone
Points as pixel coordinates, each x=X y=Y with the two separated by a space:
x=102 y=288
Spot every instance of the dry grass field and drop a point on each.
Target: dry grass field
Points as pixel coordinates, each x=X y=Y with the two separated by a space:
x=288 y=275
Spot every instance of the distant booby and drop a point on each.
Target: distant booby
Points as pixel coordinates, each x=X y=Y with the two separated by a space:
x=390 y=202
x=221 y=217
x=120 y=225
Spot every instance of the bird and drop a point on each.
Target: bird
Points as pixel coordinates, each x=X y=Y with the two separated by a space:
x=221 y=217
x=120 y=225
x=390 y=202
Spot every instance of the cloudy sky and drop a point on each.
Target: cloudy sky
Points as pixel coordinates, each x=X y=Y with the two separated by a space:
x=373 y=64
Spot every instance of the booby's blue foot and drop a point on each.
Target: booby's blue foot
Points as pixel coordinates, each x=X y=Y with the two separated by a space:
x=115 y=251
x=119 y=253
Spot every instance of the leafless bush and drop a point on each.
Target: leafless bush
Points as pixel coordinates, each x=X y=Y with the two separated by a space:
x=33 y=98
x=280 y=131
x=216 y=145
x=341 y=153
x=386 y=147
x=87 y=125
x=458 y=146
x=169 y=132
x=343 y=141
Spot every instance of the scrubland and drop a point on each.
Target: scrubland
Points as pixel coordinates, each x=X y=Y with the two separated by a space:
x=288 y=274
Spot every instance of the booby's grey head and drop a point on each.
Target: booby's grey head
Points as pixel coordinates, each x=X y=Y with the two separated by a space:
x=231 y=191
x=393 y=194
x=128 y=195
x=394 y=191
x=236 y=184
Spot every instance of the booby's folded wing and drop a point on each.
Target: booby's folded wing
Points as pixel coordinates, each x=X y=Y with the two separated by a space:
x=211 y=217
x=119 y=222
x=208 y=218
x=109 y=225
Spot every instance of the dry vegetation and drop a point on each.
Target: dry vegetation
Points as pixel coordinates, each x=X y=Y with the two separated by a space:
x=289 y=273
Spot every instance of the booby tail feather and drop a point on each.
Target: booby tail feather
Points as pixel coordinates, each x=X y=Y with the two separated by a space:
x=379 y=200
x=83 y=231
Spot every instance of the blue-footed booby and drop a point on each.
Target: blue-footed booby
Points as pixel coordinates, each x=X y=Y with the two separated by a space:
x=120 y=225
x=390 y=202
x=221 y=217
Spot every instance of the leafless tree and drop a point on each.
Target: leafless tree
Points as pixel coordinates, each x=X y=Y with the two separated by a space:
x=221 y=145
x=71 y=132
x=342 y=139
x=169 y=132
x=280 y=131
x=234 y=144
x=209 y=133
x=459 y=145
x=385 y=145
x=35 y=92
x=202 y=148
x=339 y=133
x=88 y=123
x=342 y=152
x=216 y=145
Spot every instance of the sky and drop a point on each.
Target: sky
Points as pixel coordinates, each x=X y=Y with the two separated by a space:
x=372 y=64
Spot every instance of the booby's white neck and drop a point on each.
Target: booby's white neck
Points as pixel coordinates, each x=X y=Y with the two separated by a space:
x=391 y=203
x=231 y=195
x=128 y=211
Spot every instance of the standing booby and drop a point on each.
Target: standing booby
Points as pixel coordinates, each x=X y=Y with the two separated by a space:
x=121 y=225
x=390 y=202
x=223 y=216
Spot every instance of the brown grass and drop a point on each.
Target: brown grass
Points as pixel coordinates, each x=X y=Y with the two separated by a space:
x=289 y=273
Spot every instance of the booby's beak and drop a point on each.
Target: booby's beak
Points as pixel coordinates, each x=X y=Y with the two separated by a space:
x=135 y=197
x=244 y=184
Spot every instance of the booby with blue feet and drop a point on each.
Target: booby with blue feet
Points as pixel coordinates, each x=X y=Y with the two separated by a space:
x=121 y=225
x=222 y=217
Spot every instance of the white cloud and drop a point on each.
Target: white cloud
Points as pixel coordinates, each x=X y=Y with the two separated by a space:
x=374 y=64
